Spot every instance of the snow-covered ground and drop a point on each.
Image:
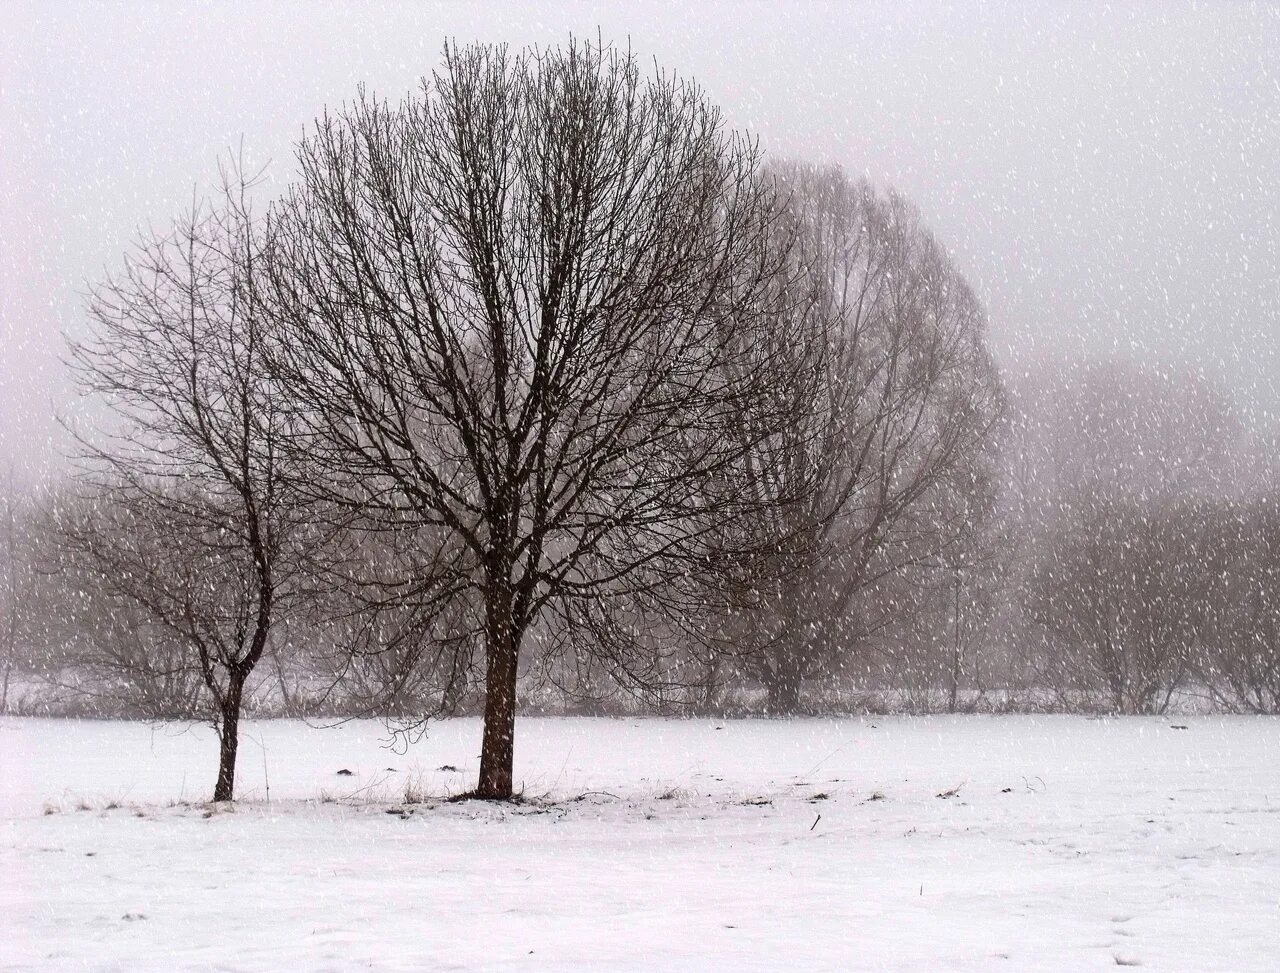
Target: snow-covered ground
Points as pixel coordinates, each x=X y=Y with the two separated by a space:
x=1068 y=844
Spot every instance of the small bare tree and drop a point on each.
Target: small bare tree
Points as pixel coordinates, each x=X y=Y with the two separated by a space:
x=1120 y=600
x=15 y=588
x=189 y=518
x=511 y=309
x=1240 y=660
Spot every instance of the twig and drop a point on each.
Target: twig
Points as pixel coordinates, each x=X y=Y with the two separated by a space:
x=822 y=761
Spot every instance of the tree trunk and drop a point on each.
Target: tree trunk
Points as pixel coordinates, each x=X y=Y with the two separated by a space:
x=957 y=651
x=784 y=693
x=790 y=657
x=784 y=677
x=229 y=741
x=497 y=752
x=710 y=687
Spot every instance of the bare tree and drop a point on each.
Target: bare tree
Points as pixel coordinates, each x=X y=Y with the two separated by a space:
x=392 y=645
x=104 y=561
x=1240 y=662
x=898 y=403
x=190 y=521
x=15 y=589
x=511 y=309
x=1116 y=431
x=934 y=652
x=1121 y=600
x=1100 y=450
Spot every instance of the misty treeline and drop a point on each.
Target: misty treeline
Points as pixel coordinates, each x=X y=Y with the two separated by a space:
x=542 y=389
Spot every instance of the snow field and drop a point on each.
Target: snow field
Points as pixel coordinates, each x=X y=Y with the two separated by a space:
x=1067 y=843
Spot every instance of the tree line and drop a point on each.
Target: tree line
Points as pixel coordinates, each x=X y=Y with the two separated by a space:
x=544 y=384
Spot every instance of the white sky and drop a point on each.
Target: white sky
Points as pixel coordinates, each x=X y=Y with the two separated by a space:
x=1108 y=178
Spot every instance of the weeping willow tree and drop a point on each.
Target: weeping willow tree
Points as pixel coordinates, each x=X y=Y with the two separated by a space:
x=882 y=464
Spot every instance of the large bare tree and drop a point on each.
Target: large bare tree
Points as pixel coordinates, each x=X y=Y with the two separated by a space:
x=511 y=307
x=187 y=516
x=890 y=426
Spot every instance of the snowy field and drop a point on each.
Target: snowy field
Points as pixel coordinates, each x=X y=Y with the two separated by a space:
x=1067 y=844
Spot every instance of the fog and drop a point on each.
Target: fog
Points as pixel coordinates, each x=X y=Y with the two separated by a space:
x=530 y=474
x=1106 y=178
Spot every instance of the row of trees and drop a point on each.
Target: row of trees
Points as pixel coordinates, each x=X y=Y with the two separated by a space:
x=543 y=380
x=1138 y=604
x=1124 y=608
x=1148 y=559
x=543 y=353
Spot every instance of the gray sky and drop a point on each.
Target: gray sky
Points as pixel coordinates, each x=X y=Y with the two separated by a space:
x=1108 y=178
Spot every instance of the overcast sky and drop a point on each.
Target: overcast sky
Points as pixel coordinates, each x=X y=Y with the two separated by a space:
x=1108 y=178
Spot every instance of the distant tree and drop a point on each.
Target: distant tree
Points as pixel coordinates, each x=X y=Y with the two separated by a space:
x=1116 y=431
x=513 y=309
x=1090 y=441
x=935 y=650
x=16 y=583
x=1240 y=664
x=1120 y=599
x=106 y=564
x=187 y=516
x=390 y=643
x=888 y=426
